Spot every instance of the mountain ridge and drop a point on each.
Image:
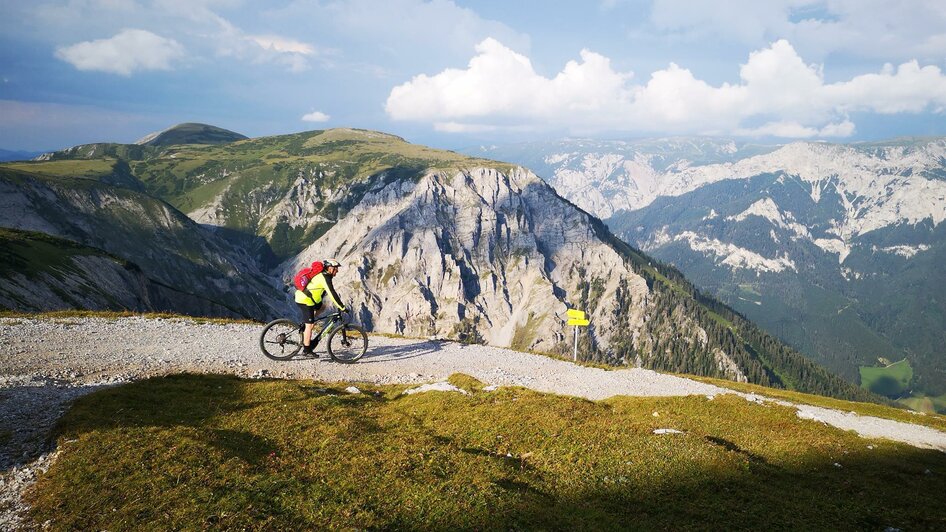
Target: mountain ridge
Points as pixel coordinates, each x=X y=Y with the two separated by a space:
x=438 y=243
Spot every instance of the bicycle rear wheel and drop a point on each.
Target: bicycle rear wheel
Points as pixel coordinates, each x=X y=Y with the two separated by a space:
x=347 y=343
x=281 y=339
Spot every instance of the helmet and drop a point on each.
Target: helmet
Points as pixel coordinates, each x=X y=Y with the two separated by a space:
x=329 y=263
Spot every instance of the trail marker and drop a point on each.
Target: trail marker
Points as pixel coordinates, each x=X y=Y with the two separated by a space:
x=577 y=318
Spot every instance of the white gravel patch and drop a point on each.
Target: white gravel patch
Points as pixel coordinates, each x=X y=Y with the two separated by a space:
x=667 y=431
x=46 y=363
x=435 y=387
x=874 y=427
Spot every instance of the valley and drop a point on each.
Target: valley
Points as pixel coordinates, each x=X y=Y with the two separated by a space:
x=833 y=248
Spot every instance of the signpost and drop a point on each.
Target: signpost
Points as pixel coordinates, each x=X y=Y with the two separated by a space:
x=577 y=318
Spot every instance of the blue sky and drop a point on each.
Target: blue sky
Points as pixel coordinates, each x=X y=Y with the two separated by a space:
x=455 y=73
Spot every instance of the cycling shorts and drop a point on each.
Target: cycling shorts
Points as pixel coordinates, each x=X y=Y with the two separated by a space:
x=309 y=311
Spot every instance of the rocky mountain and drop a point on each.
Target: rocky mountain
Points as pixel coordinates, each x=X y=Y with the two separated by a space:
x=131 y=250
x=437 y=243
x=604 y=177
x=835 y=248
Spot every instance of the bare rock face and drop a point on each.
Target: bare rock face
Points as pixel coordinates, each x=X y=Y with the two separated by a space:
x=474 y=250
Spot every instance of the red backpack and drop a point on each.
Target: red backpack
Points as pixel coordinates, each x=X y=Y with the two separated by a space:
x=301 y=280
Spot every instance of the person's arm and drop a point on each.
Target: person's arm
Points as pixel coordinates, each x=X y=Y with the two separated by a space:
x=333 y=294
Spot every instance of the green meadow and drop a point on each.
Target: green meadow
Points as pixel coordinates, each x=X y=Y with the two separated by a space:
x=892 y=380
x=217 y=452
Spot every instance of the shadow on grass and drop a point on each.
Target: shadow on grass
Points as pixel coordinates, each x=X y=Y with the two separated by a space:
x=730 y=446
x=500 y=460
x=172 y=401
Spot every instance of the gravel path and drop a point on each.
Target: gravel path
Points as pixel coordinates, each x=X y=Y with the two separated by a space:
x=45 y=364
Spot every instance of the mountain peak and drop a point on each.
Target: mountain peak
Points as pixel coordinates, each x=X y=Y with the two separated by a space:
x=190 y=133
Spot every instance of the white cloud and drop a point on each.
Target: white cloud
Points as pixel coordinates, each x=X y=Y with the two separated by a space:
x=282 y=45
x=501 y=81
x=909 y=88
x=195 y=23
x=845 y=128
x=128 y=51
x=292 y=53
x=500 y=89
x=795 y=130
x=316 y=116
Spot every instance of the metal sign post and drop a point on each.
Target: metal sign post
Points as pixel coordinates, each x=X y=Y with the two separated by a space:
x=575 y=354
x=578 y=319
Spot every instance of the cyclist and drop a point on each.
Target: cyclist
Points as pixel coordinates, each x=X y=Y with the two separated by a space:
x=310 y=300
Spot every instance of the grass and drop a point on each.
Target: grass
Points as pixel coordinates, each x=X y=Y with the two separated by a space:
x=890 y=381
x=865 y=409
x=196 y=452
x=84 y=168
x=525 y=334
x=925 y=403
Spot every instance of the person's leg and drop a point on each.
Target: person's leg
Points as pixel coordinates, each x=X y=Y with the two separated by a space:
x=308 y=318
x=315 y=314
x=307 y=336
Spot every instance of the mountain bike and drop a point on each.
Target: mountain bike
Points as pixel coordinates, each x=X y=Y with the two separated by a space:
x=346 y=342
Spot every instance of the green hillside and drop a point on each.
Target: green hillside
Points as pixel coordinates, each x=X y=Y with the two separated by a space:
x=191 y=133
x=198 y=452
x=109 y=170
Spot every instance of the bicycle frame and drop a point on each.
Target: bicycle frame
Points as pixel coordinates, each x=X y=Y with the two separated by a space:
x=334 y=319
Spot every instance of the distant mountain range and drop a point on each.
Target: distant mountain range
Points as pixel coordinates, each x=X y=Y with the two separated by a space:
x=432 y=243
x=18 y=155
x=837 y=249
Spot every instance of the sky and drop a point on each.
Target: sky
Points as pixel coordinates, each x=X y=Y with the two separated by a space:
x=455 y=73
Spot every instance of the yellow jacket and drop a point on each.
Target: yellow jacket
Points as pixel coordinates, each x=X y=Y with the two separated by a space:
x=318 y=286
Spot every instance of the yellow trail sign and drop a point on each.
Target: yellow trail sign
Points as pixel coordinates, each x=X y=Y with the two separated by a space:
x=578 y=319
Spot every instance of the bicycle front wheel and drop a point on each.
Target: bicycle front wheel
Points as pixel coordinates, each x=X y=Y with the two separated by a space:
x=281 y=339
x=347 y=343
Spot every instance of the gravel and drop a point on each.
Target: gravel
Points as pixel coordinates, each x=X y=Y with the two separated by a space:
x=47 y=363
